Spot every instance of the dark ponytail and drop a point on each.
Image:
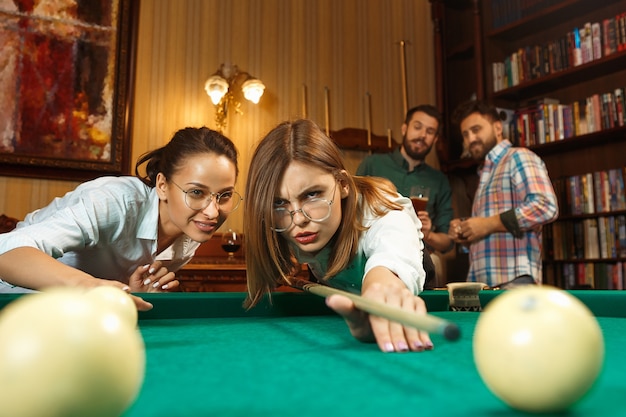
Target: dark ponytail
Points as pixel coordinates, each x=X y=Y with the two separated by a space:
x=185 y=143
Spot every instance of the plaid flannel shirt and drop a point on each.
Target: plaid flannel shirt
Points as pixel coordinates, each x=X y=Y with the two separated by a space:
x=513 y=180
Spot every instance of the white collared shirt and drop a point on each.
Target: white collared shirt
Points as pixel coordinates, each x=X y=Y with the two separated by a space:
x=393 y=241
x=106 y=227
x=390 y=241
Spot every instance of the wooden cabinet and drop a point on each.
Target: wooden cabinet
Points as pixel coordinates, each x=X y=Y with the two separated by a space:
x=459 y=69
x=459 y=76
x=213 y=274
x=212 y=271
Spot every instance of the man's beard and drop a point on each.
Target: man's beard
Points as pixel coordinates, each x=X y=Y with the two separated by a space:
x=477 y=154
x=485 y=148
x=418 y=156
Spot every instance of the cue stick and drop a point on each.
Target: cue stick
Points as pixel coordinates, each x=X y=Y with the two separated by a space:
x=305 y=110
x=327 y=109
x=405 y=88
x=423 y=322
x=368 y=97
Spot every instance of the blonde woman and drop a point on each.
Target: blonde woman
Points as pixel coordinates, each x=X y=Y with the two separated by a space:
x=355 y=233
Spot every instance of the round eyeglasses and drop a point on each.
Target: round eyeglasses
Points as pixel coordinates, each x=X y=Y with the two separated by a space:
x=316 y=210
x=199 y=199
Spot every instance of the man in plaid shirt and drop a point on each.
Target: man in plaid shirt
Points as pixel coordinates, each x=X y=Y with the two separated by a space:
x=513 y=200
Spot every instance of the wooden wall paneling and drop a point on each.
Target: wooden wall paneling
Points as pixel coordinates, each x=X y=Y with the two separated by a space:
x=347 y=45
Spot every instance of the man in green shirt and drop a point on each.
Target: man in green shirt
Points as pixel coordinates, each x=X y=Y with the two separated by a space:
x=406 y=167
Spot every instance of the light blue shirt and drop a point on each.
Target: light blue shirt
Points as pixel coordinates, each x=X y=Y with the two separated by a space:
x=106 y=227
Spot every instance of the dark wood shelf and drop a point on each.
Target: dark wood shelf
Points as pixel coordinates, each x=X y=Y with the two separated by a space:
x=458 y=4
x=361 y=140
x=582 y=216
x=589 y=140
x=540 y=86
x=584 y=261
x=563 y=11
x=215 y=263
x=462 y=51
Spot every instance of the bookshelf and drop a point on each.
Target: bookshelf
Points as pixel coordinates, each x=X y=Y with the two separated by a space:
x=584 y=248
x=539 y=58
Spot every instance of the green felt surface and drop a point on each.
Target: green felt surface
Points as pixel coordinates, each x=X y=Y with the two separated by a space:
x=207 y=356
x=311 y=366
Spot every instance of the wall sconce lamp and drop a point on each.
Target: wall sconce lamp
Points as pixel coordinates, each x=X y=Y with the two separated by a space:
x=221 y=87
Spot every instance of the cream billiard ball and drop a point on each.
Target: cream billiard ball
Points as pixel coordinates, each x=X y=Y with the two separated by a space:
x=64 y=355
x=117 y=300
x=538 y=348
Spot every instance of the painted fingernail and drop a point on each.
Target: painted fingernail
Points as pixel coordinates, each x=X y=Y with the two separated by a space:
x=418 y=346
x=165 y=287
x=156 y=284
x=388 y=347
x=428 y=346
x=402 y=347
x=151 y=271
x=146 y=266
x=146 y=281
x=126 y=288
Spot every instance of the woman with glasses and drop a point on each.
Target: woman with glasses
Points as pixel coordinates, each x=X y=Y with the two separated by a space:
x=130 y=232
x=354 y=233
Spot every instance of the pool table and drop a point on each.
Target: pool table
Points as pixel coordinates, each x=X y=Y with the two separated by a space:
x=206 y=356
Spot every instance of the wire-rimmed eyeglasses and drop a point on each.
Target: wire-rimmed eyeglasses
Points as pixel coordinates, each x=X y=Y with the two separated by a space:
x=316 y=210
x=199 y=199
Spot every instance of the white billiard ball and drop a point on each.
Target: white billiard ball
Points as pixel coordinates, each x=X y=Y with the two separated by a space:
x=64 y=355
x=538 y=348
x=116 y=299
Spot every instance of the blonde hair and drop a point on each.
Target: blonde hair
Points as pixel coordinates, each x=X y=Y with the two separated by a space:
x=268 y=257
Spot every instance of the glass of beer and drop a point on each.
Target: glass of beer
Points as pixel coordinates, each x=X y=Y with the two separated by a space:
x=419 y=197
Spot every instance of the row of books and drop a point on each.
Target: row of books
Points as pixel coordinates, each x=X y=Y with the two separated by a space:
x=504 y=12
x=548 y=120
x=577 y=47
x=596 y=275
x=601 y=237
x=597 y=192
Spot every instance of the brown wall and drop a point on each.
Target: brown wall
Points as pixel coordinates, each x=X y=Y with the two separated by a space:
x=349 y=46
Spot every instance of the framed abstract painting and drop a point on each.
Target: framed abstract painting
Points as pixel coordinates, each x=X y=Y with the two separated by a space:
x=66 y=81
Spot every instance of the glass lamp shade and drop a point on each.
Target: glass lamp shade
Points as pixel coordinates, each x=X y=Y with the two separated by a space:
x=253 y=90
x=216 y=87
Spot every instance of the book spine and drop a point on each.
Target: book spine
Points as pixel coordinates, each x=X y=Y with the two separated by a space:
x=619 y=105
x=602 y=225
x=605 y=37
x=612 y=35
x=622 y=31
x=589 y=202
x=597 y=186
x=596 y=41
x=606 y=191
x=576 y=118
x=597 y=112
x=621 y=236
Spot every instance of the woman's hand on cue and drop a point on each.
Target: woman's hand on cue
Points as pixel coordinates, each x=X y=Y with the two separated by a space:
x=390 y=336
